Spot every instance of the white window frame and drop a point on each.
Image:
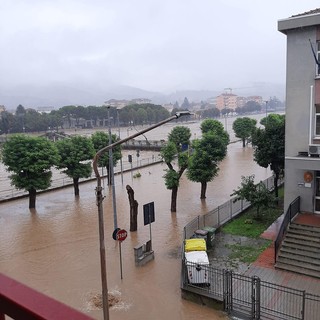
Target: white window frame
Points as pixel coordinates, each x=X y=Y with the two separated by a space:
x=317 y=125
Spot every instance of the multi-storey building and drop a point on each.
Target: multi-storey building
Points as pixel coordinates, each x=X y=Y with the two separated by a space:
x=302 y=145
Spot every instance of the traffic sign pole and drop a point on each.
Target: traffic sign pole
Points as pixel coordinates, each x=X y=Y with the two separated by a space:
x=121 y=236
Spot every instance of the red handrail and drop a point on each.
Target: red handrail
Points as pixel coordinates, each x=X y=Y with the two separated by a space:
x=19 y=301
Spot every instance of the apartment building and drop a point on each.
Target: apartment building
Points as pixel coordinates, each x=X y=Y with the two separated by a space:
x=302 y=145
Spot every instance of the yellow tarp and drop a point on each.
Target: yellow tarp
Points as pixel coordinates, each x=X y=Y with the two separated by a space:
x=196 y=244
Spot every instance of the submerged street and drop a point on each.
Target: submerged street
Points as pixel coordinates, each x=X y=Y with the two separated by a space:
x=55 y=249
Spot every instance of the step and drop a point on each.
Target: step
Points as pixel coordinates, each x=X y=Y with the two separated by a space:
x=303 y=238
x=298 y=246
x=304 y=227
x=311 y=261
x=299 y=252
x=299 y=264
x=299 y=270
x=311 y=244
x=304 y=232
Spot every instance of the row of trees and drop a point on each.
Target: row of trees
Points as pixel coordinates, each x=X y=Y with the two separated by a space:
x=31 y=159
x=30 y=120
x=269 y=150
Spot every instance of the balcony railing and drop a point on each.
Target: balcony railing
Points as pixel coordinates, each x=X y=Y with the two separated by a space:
x=19 y=301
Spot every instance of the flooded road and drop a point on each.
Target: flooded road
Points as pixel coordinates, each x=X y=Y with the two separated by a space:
x=55 y=249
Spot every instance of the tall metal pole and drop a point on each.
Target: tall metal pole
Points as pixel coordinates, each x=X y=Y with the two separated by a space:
x=121 y=166
x=111 y=178
x=99 y=199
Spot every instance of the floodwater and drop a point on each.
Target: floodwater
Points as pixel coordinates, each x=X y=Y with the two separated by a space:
x=55 y=249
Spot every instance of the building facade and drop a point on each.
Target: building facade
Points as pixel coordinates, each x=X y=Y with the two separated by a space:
x=302 y=145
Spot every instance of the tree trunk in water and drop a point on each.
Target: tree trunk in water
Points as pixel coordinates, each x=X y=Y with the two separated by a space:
x=203 y=190
x=174 y=194
x=243 y=143
x=76 y=186
x=133 y=209
x=32 y=198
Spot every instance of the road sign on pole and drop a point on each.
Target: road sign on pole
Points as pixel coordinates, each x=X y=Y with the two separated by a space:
x=121 y=235
x=148 y=213
x=148 y=217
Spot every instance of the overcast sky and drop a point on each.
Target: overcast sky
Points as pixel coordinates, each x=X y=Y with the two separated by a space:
x=158 y=45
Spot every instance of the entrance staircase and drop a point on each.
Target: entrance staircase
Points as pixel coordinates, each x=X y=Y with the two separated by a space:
x=300 y=250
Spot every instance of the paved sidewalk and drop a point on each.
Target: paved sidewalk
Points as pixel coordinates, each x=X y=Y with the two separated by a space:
x=264 y=268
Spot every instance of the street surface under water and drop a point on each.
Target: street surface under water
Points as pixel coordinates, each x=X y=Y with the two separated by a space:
x=55 y=248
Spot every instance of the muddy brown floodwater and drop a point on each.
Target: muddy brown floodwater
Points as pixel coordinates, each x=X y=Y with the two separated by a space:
x=55 y=249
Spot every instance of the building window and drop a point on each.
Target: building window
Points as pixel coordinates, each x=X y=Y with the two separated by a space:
x=317 y=121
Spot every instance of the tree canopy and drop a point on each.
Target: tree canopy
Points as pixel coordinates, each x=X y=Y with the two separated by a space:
x=257 y=194
x=243 y=128
x=75 y=155
x=100 y=140
x=178 y=138
x=207 y=152
x=30 y=160
x=269 y=145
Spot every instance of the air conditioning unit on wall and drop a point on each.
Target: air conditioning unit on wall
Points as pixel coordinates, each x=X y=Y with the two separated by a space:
x=314 y=149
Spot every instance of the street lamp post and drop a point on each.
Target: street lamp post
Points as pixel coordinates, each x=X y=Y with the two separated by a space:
x=99 y=199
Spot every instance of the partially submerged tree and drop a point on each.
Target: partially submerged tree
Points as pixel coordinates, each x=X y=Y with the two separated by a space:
x=76 y=154
x=257 y=194
x=175 y=149
x=243 y=128
x=207 y=152
x=30 y=159
x=269 y=144
x=100 y=140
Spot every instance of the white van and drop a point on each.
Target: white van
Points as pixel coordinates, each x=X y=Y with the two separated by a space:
x=197 y=263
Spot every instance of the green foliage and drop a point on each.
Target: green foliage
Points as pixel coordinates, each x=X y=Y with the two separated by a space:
x=30 y=159
x=73 y=153
x=171 y=179
x=100 y=140
x=180 y=135
x=257 y=194
x=137 y=175
x=216 y=127
x=243 y=128
x=207 y=153
x=269 y=145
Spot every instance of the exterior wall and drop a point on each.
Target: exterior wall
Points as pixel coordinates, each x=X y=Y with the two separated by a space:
x=296 y=186
x=300 y=77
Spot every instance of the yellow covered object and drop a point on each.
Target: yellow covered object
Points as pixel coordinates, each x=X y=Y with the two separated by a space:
x=196 y=244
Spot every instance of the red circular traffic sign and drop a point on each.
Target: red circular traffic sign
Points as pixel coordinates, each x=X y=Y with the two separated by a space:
x=121 y=235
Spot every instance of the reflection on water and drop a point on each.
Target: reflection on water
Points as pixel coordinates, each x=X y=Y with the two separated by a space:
x=56 y=248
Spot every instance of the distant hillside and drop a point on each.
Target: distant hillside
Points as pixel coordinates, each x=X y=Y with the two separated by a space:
x=58 y=95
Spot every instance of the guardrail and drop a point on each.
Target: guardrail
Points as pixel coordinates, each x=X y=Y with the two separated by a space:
x=19 y=301
x=292 y=211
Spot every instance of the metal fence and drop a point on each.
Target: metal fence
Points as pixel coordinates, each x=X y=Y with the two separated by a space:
x=60 y=179
x=249 y=297
x=221 y=214
x=244 y=296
